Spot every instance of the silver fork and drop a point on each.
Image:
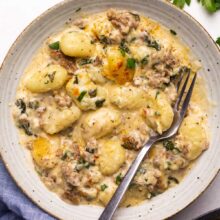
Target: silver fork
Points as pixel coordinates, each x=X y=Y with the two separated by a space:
x=179 y=109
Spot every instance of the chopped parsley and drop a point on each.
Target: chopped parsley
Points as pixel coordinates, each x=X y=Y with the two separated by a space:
x=144 y=61
x=173 y=32
x=133 y=39
x=90 y=150
x=169 y=145
x=103 y=187
x=82 y=163
x=76 y=81
x=171 y=178
x=99 y=103
x=78 y=9
x=153 y=194
x=92 y=93
x=104 y=40
x=55 y=45
x=21 y=105
x=51 y=76
x=85 y=61
x=218 y=41
x=34 y=105
x=118 y=179
x=66 y=155
x=154 y=45
x=81 y=96
x=123 y=48
x=136 y=16
x=131 y=63
x=25 y=125
x=157 y=93
x=157 y=113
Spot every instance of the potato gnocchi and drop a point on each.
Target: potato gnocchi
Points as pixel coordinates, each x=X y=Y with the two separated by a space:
x=94 y=94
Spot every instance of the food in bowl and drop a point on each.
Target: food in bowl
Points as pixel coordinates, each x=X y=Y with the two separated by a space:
x=93 y=95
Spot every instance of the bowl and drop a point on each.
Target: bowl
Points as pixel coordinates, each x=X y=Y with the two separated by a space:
x=18 y=160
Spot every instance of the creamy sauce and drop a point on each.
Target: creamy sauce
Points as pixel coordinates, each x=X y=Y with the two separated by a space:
x=93 y=95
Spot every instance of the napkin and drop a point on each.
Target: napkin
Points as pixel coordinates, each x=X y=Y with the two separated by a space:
x=14 y=205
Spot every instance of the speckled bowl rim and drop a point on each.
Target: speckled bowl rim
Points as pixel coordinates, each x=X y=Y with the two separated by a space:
x=26 y=29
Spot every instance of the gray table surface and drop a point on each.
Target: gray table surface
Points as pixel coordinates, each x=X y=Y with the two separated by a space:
x=15 y=15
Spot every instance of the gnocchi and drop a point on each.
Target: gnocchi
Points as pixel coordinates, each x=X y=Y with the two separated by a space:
x=194 y=136
x=54 y=120
x=94 y=126
x=76 y=44
x=111 y=157
x=106 y=195
x=85 y=93
x=50 y=78
x=159 y=113
x=42 y=153
x=116 y=66
x=127 y=97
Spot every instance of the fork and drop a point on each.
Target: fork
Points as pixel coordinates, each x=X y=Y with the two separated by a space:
x=179 y=109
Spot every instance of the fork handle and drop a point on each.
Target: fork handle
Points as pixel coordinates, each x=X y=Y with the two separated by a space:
x=122 y=188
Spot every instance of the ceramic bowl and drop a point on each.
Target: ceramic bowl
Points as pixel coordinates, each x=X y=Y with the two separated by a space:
x=18 y=160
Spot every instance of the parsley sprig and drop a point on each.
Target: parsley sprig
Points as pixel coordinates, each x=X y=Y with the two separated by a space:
x=181 y=3
x=210 y=5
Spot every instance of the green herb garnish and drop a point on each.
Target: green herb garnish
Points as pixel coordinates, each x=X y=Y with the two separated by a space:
x=82 y=94
x=51 y=76
x=133 y=39
x=104 y=40
x=92 y=93
x=82 y=163
x=210 y=5
x=103 y=187
x=76 y=81
x=157 y=113
x=154 y=45
x=144 y=61
x=173 y=32
x=218 y=41
x=131 y=63
x=85 y=61
x=169 y=145
x=118 y=179
x=78 y=9
x=181 y=3
x=123 y=48
x=157 y=93
x=99 y=103
x=136 y=16
x=55 y=45
x=171 y=178
x=21 y=105
x=34 y=105
x=90 y=150
x=66 y=155
x=25 y=125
